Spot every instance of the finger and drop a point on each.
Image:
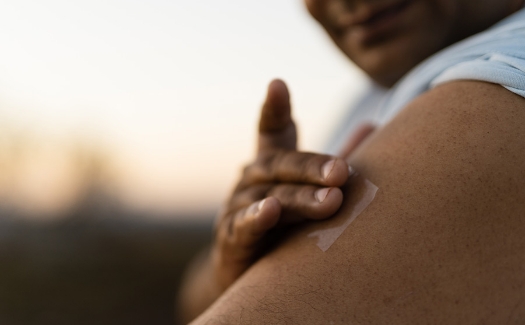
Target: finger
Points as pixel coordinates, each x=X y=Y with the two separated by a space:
x=306 y=202
x=276 y=127
x=246 y=196
x=241 y=235
x=253 y=224
x=296 y=167
x=240 y=238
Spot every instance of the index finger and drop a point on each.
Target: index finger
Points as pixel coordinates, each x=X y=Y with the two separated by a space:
x=276 y=127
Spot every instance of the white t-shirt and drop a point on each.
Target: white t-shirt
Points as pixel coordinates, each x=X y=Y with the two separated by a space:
x=496 y=55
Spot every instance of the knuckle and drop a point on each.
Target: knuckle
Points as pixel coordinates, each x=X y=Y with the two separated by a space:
x=298 y=198
x=287 y=194
x=272 y=162
x=248 y=175
x=248 y=195
x=267 y=165
x=309 y=164
x=306 y=166
x=304 y=197
x=289 y=165
x=261 y=169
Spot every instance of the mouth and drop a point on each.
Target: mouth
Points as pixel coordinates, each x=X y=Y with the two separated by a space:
x=369 y=23
x=373 y=15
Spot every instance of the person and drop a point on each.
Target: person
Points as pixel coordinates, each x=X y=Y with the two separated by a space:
x=443 y=240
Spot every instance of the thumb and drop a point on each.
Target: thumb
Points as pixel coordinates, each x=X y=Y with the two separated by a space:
x=276 y=127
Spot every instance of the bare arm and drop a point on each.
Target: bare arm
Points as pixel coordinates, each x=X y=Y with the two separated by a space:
x=280 y=188
x=443 y=242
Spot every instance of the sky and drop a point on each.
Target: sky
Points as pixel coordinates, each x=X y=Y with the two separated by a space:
x=169 y=91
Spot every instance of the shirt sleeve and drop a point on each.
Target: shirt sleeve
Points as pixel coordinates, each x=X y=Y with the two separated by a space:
x=506 y=70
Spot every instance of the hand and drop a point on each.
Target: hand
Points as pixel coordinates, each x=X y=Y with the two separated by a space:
x=283 y=186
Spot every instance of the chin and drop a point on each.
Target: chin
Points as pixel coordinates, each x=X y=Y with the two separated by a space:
x=385 y=77
x=386 y=63
x=386 y=68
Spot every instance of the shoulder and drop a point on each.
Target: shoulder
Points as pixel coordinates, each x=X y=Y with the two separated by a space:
x=466 y=137
x=442 y=242
x=496 y=55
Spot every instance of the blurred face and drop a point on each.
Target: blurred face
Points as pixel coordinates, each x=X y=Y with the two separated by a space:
x=386 y=38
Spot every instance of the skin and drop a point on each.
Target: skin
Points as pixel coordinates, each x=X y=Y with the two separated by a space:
x=281 y=188
x=442 y=243
x=425 y=27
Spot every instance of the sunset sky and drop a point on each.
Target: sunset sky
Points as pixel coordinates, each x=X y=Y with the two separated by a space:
x=169 y=90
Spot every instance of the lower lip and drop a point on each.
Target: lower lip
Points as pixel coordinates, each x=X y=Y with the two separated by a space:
x=382 y=26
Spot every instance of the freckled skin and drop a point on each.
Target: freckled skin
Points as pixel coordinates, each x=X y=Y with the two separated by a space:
x=442 y=243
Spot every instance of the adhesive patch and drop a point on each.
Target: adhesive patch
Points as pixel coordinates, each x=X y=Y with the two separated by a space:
x=326 y=237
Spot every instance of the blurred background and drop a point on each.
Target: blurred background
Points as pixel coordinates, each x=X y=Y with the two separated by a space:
x=123 y=126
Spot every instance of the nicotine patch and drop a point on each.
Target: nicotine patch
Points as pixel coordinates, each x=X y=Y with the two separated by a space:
x=326 y=237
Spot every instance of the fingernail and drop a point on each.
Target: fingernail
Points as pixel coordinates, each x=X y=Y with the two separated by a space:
x=321 y=194
x=327 y=168
x=255 y=208
x=351 y=171
x=260 y=206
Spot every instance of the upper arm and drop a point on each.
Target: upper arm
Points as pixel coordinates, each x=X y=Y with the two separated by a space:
x=444 y=239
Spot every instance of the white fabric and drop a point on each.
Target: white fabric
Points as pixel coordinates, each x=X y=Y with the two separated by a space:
x=364 y=110
x=496 y=55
